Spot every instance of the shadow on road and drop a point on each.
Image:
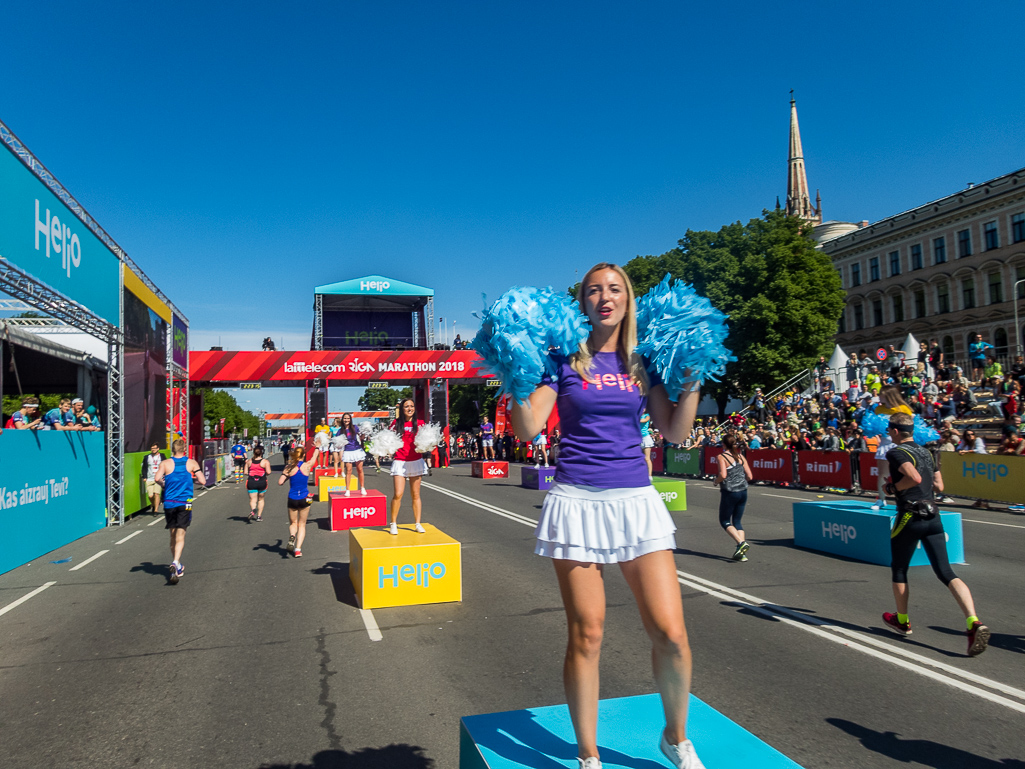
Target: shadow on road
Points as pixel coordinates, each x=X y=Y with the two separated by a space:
x=279 y=548
x=1005 y=641
x=339 y=573
x=923 y=752
x=156 y=569
x=391 y=757
x=709 y=556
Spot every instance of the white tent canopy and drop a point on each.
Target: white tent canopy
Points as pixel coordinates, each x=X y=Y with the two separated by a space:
x=837 y=368
x=911 y=348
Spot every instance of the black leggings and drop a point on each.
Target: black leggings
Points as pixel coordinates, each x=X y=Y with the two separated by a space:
x=934 y=541
x=731 y=508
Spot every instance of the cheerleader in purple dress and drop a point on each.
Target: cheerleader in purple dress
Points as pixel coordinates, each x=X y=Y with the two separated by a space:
x=603 y=509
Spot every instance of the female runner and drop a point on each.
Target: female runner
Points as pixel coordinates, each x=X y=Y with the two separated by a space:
x=890 y=402
x=732 y=478
x=408 y=463
x=603 y=508
x=353 y=453
x=256 y=471
x=337 y=444
x=297 y=474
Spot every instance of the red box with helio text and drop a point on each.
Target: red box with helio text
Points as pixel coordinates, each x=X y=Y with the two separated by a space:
x=357 y=511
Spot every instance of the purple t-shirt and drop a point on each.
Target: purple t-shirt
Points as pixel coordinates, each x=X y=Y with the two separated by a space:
x=600 y=423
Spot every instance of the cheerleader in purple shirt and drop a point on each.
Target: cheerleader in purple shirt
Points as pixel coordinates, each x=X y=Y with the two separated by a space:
x=603 y=508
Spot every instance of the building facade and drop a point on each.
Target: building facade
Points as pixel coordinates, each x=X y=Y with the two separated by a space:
x=944 y=270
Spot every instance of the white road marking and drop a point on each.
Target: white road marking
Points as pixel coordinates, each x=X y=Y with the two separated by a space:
x=88 y=560
x=993 y=523
x=25 y=597
x=371 y=625
x=483 y=505
x=134 y=533
x=155 y=521
x=851 y=639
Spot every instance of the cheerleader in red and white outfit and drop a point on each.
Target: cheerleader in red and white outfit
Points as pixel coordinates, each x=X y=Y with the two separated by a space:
x=408 y=463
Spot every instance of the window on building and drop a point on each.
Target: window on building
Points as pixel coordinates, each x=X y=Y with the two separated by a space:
x=968 y=293
x=920 y=303
x=842 y=327
x=948 y=346
x=898 y=309
x=877 y=312
x=859 y=317
x=964 y=244
x=1018 y=228
x=1000 y=341
x=856 y=274
x=873 y=269
x=996 y=289
x=989 y=230
x=943 y=298
x=894 y=263
x=916 y=256
x=839 y=273
x=939 y=250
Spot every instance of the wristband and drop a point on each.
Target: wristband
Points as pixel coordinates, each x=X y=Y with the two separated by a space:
x=890 y=489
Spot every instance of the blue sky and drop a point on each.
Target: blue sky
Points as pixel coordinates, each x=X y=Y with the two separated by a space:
x=244 y=153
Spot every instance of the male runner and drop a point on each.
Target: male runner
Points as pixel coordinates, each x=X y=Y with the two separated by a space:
x=152 y=464
x=487 y=435
x=912 y=481
x=176 y=475
x=238 y=453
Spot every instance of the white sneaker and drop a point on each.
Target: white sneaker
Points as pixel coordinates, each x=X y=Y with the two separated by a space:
x=877 y=505
x=420 y=529
x=394 y=528
x=363 y=492
x=589 y=763
x=346 y=492
x=681 y=756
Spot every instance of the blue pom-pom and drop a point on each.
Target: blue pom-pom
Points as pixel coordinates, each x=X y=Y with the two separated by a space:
x=924 y=433
x=873 y=424
x=520 y=333
x=681 y=335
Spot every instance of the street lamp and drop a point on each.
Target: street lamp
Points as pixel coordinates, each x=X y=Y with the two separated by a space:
x=1017 y=328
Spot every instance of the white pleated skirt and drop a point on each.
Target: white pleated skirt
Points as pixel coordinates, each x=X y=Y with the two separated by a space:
x=354 y=456
x=592 y=525
x=411 y=468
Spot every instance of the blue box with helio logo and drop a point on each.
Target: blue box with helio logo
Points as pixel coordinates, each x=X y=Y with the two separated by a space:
x=407 y=569
x=851 y=528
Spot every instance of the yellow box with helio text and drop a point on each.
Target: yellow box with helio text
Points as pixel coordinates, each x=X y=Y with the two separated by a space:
x=404 y=570
x=326 y=485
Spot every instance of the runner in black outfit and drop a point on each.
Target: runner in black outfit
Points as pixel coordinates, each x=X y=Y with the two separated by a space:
x=912 y=481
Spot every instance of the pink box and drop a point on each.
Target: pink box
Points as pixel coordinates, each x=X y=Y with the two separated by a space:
x=490 y=470
x=357 y=511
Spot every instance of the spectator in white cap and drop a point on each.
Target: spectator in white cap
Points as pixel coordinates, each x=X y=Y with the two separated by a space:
x=27 y=417
x=82 y=418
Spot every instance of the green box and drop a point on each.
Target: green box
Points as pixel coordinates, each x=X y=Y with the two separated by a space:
x=673 y=493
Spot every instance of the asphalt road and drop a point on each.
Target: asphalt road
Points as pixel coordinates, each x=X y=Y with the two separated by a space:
x=258 y=660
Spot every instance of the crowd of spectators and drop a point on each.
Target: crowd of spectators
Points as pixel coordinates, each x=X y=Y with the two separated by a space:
x=68 y=414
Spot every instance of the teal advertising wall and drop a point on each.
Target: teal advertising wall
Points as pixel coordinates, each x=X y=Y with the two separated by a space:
x=52 y=491
x=40 y=235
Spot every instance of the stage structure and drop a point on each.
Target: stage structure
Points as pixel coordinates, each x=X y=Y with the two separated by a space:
x=57 y=259
x=373 y=313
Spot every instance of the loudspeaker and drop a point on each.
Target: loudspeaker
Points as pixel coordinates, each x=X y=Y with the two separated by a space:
x=318 y=406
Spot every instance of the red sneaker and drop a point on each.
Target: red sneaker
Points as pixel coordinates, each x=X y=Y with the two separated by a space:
x=978 y=639
x=903 y=628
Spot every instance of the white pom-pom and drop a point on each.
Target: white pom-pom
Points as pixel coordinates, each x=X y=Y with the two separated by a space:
x=365 y=429
x=427 y=438
x=321 y=440
x=385 y=442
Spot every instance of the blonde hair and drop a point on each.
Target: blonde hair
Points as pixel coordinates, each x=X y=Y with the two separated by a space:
x=177 y=446
x=581 y=360
x=890 y=397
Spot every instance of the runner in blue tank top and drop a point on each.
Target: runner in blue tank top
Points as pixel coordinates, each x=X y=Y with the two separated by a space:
x=175 y=475
x=297 y=473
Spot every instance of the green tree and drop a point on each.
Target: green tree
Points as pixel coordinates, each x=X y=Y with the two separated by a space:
x=467 y=403
x=783 y=296
x=382 y=399
x=218 y=405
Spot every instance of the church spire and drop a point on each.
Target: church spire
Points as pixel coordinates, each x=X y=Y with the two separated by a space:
x=798 y=195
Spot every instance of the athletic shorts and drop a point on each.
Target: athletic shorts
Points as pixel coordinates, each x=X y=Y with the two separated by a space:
x=240 y=462
x=256 y=485
x=298 y=504
x=177 y=517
